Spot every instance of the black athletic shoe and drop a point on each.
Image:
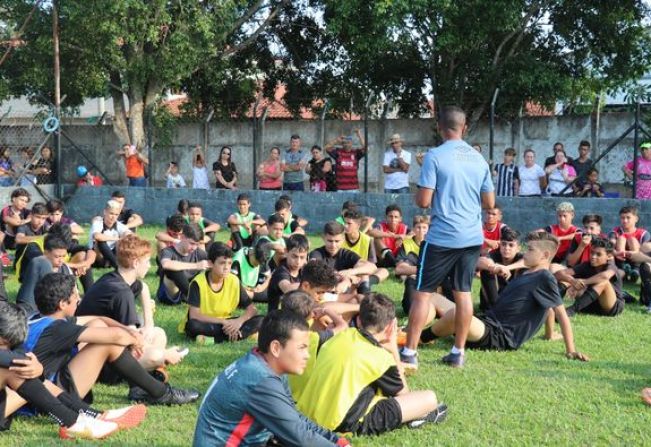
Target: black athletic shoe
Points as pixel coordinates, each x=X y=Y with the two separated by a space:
x=435 y=417
x=427 y=336
x=172 y=396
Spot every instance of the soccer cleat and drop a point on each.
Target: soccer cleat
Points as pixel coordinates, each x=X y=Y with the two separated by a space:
x=435 y=417
x=88 y=427
x=634 y=275
x=409 y=362
x=172 y=396
x=127 y=417
x=453 y=360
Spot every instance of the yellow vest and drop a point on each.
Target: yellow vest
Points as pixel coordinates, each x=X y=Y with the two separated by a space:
x=346 y=365
x=215 y=304
x=297 y=383
x=410 y=246
x=362 y=247
x=40 y=242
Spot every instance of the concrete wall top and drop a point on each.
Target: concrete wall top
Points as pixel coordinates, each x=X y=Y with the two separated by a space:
x=155 y=204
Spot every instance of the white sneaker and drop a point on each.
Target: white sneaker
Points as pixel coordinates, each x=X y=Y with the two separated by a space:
x=88 y=427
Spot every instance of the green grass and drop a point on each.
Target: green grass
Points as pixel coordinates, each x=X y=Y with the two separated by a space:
x=530 y=397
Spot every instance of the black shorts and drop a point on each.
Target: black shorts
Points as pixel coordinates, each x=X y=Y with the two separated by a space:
x=493 y=339
x=5 y=422
x=596 y=309
x=436 y=263
x=383 y=417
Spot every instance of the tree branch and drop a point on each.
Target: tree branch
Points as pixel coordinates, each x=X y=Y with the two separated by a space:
x=249 y=40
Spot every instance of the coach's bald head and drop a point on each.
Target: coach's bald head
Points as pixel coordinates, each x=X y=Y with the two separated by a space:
x=452 y=119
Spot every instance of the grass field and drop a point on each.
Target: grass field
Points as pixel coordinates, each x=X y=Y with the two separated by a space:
x=530 y=397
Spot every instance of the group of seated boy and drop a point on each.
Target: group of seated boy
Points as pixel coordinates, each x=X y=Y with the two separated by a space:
x=327 y=359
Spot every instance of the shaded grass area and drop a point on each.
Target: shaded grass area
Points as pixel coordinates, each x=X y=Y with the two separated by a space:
x=530 y=397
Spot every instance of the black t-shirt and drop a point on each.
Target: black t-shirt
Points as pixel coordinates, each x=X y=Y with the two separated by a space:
x=194 y=296
x=112 y=297
x=27 y=230
x=228 y=172
x=280 y=274
x=585 y=271
x=125 y=215
x=195 y=256
x=522 y=306
x=581 y=168
x=343 y=260
x=496 y=256
x=54 y=347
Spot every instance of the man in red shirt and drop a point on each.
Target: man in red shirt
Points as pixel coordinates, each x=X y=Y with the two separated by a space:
x=347 y=161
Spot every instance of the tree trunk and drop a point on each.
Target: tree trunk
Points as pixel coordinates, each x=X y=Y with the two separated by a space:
x=137 y=115
x=120 y=124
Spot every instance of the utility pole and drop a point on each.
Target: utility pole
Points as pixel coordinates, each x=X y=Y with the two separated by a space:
x=57 y=94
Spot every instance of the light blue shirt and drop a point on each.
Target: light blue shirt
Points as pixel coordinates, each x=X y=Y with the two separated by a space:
x=458 y=174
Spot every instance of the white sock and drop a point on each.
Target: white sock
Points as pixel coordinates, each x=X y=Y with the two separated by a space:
x=408 y=352
x=455 y=350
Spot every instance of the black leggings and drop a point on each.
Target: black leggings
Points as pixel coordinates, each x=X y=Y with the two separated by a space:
x=180 y=280
x=195 y=327
x=108 y=254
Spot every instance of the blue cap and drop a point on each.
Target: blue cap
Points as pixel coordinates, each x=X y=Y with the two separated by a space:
x=81 y=171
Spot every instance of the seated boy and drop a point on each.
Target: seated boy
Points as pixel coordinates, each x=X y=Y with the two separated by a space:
x=254 y=389
x=595 y=285
x=407 y=261
x=292 y=225
x=179 y=264
x=286 y=277
x=55 y=335
x=275 y=228
x=356 y=385
x=292 y=216
x=20 y=384
x=209 y=228
x=521 y=309
x=493 y=228
x=31 y=231
x=498 y=268
x=55 y=251
x=360 y=243
x=127 y=217
x=114 y=296
x=626 y=239
x=244 y=223
x=15 y=215
x=388 y=236
x=172 y=234
x=250 y=267
x=352 y=269
x=580 y=248
x=563 y=230
x=56 y=212
x=104 y=234
x=349 y=205
x=303 y=305
x=214 y=296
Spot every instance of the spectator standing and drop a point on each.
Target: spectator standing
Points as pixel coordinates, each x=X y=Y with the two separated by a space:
x=347 y=161
x=174 y=179
x=134 y=162
x=293 y=164
x=591 y=187
x=320 y=170
x=507 y=175
x=396 y=167
x=225 y=170
x=582 y=164
x=561 y=173
x=199 y=170
x=269 y=173
x=27 y=178
x=643 y=184
x=532 y=177
x=86 y=178
x=558 y=146
x=6 y=168
x=44 y=167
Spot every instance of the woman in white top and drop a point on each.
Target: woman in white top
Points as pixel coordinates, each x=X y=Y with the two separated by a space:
x=560 y=174
x=532 y=176
x=199 y=170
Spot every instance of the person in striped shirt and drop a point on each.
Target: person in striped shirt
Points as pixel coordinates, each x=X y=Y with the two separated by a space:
x=507 y=177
